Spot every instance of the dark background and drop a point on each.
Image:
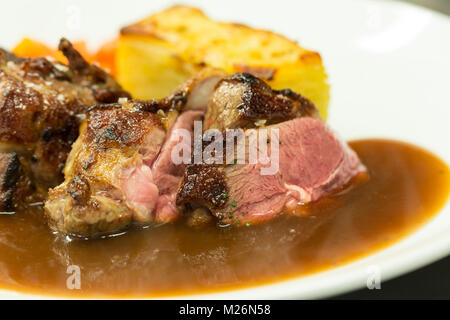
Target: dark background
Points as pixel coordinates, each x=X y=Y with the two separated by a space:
x=433 y=281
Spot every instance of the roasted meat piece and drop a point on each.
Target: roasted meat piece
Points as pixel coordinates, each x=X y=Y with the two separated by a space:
x=107 y=164
x=42 y=103
x=244 y=101
x=120 y=169
x=310 y=163
x=289 y=155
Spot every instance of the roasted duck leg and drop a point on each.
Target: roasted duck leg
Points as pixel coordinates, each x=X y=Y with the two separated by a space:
x=42 y=103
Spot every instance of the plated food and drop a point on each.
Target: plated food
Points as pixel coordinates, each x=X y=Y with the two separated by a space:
x=209 y=167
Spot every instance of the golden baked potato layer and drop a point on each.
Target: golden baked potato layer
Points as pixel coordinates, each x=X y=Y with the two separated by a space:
x=158 y=53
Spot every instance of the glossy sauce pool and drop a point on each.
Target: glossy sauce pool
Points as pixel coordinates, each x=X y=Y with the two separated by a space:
x=407 y=186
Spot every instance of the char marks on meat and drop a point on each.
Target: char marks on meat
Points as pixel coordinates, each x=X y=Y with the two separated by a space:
x=15 y=186
x=242 y=100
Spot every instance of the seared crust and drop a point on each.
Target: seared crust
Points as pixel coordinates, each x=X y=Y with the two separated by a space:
x=109 y=126
x=243 y=99
x=40 y=122
x=203 y=185
x=113 y=129
x=14 y=183
x=9 y=176
x=9 y=168
x=41 y=105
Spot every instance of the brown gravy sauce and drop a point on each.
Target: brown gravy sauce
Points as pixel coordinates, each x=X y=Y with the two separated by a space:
x=407 y=186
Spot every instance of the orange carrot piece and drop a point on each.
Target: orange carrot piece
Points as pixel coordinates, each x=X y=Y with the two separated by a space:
x=106 y=56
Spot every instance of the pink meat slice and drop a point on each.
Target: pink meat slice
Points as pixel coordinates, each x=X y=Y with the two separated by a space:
x=312 y=163
x=166 y=174
x=141 y=193
x=150 y=184
x=317 y=163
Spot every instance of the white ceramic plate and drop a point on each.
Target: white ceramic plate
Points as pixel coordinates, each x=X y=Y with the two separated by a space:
x=389 y=68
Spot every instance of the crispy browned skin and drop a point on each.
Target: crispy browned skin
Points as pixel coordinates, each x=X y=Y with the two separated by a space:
x=14 y=182
x=242 y=99
x=114 y=137
x=203 y=185
x=115 y=126
x=41 y=105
